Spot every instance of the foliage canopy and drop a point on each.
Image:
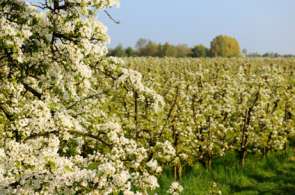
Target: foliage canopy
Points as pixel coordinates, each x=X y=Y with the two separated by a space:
x=225 y=46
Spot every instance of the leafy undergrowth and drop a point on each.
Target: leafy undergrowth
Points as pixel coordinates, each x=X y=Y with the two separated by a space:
x=273 y=174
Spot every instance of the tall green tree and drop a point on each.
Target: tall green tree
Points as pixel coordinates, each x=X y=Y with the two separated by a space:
x=200 y=51
x=118 y=51
x=168 y=50
x=183 y=50
x=141 y=43
x=225 y=46
x=147 y=48
x=130 y=52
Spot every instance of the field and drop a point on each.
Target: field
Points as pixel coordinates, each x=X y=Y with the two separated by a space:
x=220 y=111
x=74 y=119
x=272 y=175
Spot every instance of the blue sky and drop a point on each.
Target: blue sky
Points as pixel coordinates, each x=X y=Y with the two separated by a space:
x=259 y=25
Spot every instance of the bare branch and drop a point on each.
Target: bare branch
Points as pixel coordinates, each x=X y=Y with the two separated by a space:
x=111 y=17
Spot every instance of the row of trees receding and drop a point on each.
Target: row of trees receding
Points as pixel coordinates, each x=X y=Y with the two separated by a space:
x=221 y=46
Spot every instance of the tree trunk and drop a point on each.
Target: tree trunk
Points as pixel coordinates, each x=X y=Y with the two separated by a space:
x=243 y=155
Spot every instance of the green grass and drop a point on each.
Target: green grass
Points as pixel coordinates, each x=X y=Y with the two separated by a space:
x=274 y=174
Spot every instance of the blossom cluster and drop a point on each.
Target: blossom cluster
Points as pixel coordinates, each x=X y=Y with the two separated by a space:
x=63 y=124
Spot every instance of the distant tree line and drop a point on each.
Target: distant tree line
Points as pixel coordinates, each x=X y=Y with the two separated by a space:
x=149 y=48
x=221 y=46
x=269 y=55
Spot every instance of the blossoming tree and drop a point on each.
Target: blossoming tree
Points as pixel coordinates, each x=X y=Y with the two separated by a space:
x=62 y=122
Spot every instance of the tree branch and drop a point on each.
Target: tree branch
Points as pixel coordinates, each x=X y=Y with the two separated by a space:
x=8 y=115
x=32 y=90
x=78 y=133
x=111 y=17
